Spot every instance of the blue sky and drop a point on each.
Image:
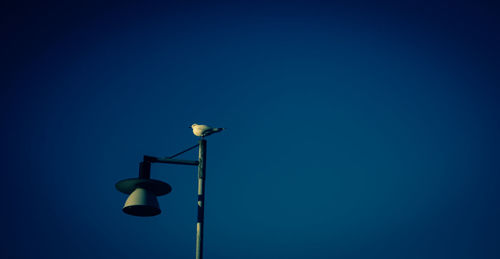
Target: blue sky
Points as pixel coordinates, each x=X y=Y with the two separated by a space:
x=354 y=130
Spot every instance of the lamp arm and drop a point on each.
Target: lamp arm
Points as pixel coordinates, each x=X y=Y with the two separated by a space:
x=152 y=159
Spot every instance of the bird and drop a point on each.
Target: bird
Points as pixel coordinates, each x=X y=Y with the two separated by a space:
x=204 y=130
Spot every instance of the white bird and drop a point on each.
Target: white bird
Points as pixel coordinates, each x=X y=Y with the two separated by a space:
x=204 y=130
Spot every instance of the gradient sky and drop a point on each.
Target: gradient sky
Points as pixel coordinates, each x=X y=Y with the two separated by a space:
x=354 y=129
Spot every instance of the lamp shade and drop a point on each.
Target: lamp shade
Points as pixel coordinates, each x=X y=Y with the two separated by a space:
x=142 y=200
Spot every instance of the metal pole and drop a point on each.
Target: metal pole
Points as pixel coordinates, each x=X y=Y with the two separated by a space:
x=201 y=197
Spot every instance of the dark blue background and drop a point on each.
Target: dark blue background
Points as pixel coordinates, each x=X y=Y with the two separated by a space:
x=354 y=130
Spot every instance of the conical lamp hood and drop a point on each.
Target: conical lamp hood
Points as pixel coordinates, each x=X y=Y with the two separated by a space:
x=142 y=202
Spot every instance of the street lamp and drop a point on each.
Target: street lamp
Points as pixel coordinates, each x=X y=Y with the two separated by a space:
x=143 y=191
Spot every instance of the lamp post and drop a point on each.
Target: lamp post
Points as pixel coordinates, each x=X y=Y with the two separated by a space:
x=143 y=191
